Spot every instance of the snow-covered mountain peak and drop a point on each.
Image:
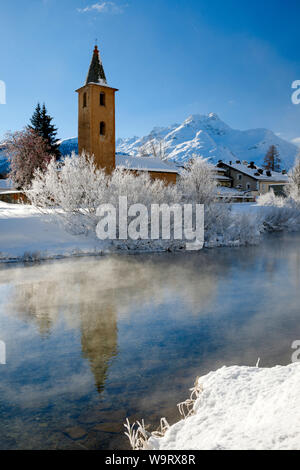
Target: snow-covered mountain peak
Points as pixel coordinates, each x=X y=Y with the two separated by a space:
x=210 y=122
x=196 y=118
x=208 y=136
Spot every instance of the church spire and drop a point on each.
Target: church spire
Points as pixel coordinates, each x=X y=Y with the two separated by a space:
x=96 y=71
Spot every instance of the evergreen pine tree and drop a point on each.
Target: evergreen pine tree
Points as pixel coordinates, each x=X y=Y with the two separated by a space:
x=272 y=159
x=41 y=122
x=36 y=119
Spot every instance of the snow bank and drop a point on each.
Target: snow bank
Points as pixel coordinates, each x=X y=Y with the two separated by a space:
x=25 y=234
x=241 y=408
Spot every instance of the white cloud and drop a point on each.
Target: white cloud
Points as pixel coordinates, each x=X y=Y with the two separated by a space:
x=102 y=7
x=296 y=141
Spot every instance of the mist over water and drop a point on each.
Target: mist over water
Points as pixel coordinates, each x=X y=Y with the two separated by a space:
x=93 y=341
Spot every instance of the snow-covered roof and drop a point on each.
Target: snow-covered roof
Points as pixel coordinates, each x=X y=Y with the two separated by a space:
x=145 y=164
x=10 y=191
x=252 y=172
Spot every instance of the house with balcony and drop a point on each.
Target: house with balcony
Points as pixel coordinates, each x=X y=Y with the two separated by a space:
x=249 y=178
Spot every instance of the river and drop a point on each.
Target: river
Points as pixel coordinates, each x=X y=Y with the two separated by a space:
x=92 y=341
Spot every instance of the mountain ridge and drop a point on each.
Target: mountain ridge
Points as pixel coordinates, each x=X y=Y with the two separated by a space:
x=210 y=137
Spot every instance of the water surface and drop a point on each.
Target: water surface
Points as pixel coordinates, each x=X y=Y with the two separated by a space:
x=93 y=341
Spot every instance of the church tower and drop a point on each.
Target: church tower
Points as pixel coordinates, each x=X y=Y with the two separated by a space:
x=96 y=116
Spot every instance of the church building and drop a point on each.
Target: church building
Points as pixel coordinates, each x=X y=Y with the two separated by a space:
x=97 y=128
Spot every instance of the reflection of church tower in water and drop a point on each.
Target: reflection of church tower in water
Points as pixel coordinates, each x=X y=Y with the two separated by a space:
x=99 y=339
x=43 y=302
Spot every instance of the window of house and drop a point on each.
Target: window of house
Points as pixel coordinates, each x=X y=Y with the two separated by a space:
x=84 y=100
x=102 y=99
x=102 y=128
x=240 y=177
x=248 y=186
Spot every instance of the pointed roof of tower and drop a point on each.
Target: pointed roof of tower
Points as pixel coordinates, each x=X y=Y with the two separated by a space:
x=96 y=71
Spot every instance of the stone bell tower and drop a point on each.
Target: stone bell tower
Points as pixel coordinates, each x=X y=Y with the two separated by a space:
x=96 y=116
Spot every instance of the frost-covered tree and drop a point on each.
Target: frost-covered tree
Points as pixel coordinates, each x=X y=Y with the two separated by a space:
x=155 y=147
x=197 y=181
x=41 y=122
x=272 y=159
x=78 y=187
x=282 y=213
x=27 y=152
x=293 y=188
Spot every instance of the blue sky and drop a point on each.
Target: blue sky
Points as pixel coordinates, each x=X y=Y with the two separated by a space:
x=169 y=59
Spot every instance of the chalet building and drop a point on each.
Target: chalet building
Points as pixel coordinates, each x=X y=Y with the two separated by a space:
x=96 y=127
x=250 y=178
x=220 y=175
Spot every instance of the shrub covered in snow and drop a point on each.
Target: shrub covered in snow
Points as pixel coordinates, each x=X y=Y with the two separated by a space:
x=282 y=213
x=280 y=218
x=270 y=199
x=293 y=188
x=222 y=226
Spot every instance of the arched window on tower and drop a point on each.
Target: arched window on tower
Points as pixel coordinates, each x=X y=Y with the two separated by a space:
x=84 y=100
x=102 y=128
x=102 y=99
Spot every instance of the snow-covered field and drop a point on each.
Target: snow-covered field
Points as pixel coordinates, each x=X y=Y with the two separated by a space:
x=241 y=408
x=26 y=234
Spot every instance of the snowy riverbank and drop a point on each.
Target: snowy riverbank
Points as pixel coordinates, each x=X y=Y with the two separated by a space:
x=241 y=408
x=25 y=234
